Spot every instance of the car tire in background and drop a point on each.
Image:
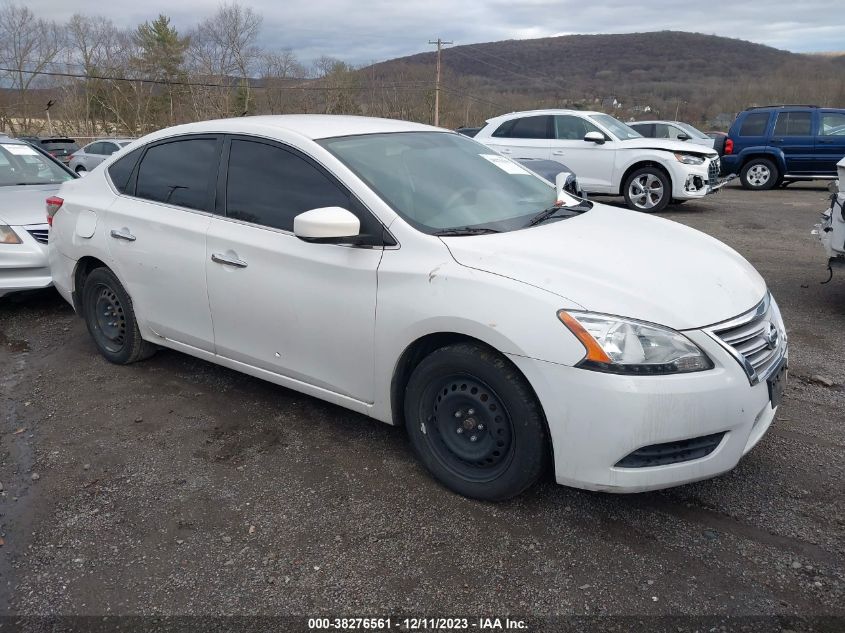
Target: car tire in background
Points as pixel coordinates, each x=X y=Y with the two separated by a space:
x=110 y=318
x=759 y=174
x=80 y=170
x=475 y=423
x=647 y=189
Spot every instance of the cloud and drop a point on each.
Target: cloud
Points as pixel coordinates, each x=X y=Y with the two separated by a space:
x=363 y=31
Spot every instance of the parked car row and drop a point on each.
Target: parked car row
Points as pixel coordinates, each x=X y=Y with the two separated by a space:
x=422 y=278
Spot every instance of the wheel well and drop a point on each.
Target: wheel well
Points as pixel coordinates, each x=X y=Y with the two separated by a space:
x=84 y=267
x=422 y=347
x=640 y=165
x=769 y=157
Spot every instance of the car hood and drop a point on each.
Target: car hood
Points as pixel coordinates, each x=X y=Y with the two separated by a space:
x=670 y=146
x=619 y=262
x=24 y=204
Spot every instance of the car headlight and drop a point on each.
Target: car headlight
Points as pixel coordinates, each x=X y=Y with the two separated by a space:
x=689 y=159
x=624 y=346
x=8 y=236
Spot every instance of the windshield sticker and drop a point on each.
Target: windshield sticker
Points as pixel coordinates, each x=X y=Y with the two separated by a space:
x=505 y=165
x=20 y=150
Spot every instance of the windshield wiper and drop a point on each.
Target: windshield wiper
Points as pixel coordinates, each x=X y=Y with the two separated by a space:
x=547 y=214
x=465 y=230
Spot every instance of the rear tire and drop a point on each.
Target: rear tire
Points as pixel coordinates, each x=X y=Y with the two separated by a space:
x=648 y=189
x=759 y=174
x=80 y=170
x=111 y=319
x=475 y=423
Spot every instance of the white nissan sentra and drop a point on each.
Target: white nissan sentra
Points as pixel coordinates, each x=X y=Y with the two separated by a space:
x=412 y=275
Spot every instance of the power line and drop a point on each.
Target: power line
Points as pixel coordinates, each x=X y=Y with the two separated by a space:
x=233 y=84
x=497 y=67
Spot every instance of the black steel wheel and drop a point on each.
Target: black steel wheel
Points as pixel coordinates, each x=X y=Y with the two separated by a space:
x=110 y=318
x=475 y=423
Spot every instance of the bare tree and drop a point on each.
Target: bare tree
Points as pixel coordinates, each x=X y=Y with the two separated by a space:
x=28 y=45
x=224 y=46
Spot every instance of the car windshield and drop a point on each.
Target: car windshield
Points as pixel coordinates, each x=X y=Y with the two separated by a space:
x=21 y=164
x=692 y=131
x=438 y=181
x=616 y=127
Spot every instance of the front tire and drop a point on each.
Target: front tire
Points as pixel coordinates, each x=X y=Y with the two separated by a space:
x=759 y=174
x=111 y=319
x=648 y=189
x=475 y=423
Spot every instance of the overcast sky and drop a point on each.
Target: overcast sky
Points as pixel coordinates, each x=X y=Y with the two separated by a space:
x=363 y=31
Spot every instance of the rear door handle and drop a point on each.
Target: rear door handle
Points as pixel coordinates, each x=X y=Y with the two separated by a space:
x=217 y=258
x=123 y=234
x=506 y=150
x=557 y=152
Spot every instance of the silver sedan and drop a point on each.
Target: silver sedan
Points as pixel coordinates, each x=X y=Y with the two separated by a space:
x=85 y=159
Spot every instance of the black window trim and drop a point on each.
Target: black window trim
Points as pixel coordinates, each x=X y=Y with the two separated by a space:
x=388 y=240
x=131 y=184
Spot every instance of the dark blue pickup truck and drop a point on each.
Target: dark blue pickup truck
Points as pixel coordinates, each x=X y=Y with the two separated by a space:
x=774 y=145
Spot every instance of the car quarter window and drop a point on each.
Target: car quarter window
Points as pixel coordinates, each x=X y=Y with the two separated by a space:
x=754 y=124
x=572 y=128
x=270 y=186
x=536 y=127
x=832 y=124
x=179 y=172
x=794 y=124
x=121 y=170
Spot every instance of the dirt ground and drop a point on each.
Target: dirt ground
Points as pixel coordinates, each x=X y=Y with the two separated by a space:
x=174 y=486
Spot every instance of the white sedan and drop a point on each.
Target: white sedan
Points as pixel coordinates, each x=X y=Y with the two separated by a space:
x=608 y=156
x=412 y=275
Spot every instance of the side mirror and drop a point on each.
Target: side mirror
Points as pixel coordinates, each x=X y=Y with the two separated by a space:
x=326 y=225
x=684 y=137
x=563 y=179
x=833 y=186
x=594 y=137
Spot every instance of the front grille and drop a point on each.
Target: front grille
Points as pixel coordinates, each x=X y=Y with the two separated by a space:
x=671 y=452
x=713 y=171
x=756 y=339
x=41 y=234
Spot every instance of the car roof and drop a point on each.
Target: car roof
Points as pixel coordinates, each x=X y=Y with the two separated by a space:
x=10 y=140
x=544 y=112
x=658 y=121
x=312 y=126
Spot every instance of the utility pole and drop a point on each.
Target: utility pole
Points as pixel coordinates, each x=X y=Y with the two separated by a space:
x=440 y=44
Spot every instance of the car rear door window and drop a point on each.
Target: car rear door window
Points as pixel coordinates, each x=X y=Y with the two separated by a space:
x=121 y=170
x=179 y=172
x=537 y=127
x=270 y=186
x=794 y=124
x=754 y=124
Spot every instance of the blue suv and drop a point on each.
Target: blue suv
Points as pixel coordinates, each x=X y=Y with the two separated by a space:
x=775 y=145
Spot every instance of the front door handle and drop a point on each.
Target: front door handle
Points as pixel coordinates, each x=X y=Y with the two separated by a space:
x=217 y=258
x=506 y=150
x=557 y=152
x=123 y=234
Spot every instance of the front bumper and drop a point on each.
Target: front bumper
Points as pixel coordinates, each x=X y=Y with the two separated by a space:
x=25 y=266
x=596 y=420
x=697 y=181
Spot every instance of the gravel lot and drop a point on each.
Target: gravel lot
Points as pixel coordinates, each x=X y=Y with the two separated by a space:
x=175 y=486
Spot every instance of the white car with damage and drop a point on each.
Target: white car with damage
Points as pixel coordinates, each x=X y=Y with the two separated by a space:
x=608 y=156
x=831 y=229
x=413 y=275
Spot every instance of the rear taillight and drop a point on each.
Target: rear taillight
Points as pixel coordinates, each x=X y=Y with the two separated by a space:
x=53 y=154
x=729 y=146
x=54 y=203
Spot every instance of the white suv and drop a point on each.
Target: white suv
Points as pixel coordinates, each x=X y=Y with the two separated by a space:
x=608 y=156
